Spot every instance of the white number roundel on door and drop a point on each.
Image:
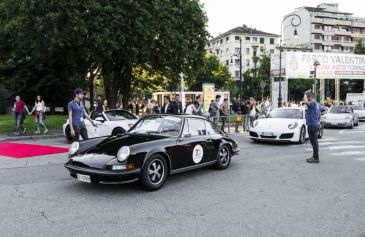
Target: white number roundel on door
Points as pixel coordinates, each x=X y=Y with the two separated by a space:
x=198 y=153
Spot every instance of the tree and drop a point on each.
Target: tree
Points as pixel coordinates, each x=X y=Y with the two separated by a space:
x=359 y=47
x=212 y=71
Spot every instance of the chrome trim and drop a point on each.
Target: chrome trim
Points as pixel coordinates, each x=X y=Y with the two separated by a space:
x=192 y=167
x=103 y=172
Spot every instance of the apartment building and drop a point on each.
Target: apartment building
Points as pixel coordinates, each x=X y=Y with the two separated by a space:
x=254 y=44
x=324 y=29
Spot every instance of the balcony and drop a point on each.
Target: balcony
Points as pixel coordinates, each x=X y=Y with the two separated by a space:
x=317 y=31
x=343 y=32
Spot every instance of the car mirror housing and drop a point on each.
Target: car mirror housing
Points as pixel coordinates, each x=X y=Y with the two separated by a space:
x=100 y=119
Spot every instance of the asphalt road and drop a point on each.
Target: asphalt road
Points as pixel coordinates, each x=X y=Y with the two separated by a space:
x=268 y=190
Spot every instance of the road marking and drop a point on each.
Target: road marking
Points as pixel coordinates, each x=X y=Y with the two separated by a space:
x=361 y=159
x=348 y=153
x=346 y=147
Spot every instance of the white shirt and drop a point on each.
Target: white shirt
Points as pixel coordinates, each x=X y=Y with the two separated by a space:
x=190 y=109
x=39 y=106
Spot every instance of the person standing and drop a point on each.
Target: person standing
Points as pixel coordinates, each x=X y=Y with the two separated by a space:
x=76 y=114
x=100 y=108
x=192 y=108
x=214 y=109
x=178 y=105
x=313 y=118
x=168 y=107
x=40 y=110
x=200 y=109
x=19 y=108
x=224 y=113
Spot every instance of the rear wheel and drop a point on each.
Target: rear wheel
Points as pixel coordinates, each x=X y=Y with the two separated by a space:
x=154 y=173
x=302 y=136
x=118 y=131
x=224 y=158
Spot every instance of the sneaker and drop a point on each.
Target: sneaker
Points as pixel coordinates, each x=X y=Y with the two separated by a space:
x=312 y=160
x=16 y=133
x=45 y=131
x=24 y=130
x=37 y=132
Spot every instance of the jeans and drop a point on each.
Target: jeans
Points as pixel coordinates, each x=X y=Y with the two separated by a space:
x=39 y=121
x=19 y=122
x=224 y=119
x=313 y=132
x=80 y=130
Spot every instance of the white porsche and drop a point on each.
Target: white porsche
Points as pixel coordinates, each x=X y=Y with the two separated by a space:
x=110 y=122
x=283 y=125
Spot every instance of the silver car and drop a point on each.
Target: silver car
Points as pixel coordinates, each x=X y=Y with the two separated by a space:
x=341 y=116
x=359 y=110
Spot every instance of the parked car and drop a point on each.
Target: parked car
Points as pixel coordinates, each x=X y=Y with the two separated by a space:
x=359 y=110
x=155 y=147
x=282 y=125
x=110 y=122
x=341 y=116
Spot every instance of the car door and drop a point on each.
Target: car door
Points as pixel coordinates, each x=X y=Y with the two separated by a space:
x=191 y=148
x=214 y=140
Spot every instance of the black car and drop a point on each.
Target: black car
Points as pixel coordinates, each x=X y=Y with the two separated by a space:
x=156 y=146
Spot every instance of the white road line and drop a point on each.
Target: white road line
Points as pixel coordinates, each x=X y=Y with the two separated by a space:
x=348 y=153
x=346 y=147
x=361 y=159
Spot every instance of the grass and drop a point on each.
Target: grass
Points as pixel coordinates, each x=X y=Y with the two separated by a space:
x=53 y=122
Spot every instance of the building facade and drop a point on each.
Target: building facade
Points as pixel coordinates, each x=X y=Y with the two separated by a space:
x=324 y=29
x=255 y=43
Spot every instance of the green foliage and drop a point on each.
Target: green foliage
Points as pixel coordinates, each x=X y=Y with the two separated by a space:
x=212 y=71
x=359 y=47
x=53 y=122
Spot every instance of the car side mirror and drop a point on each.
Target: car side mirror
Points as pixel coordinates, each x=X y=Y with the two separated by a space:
x=100 y=119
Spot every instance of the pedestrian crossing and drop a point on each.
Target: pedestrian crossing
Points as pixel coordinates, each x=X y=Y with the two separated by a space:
x=337 y=148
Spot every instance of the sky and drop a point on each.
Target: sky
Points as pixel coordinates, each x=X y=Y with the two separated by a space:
x=264 y=15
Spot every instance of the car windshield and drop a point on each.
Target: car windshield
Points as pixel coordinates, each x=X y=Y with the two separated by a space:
x=116 y=115
x=339 y=110
x=287 y=113
x=357 y=107
x=165 y=125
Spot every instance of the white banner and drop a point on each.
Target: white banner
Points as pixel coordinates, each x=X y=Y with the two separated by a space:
x=343 y=66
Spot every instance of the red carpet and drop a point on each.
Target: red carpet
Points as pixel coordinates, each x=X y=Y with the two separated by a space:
x=16 y=150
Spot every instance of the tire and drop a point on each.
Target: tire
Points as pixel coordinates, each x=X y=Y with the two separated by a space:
x=154 y=173
x=302 y=136
x=118 y=131
x=224 y=158
x=69 y=138
x=321 y=131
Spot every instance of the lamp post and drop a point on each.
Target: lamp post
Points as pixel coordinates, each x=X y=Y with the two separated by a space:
x=254 y=59
x=239 y=55
x=315 y=65
x=292 y=22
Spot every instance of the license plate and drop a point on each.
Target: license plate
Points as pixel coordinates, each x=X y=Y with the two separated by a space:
x=267 y=134
x=84 y=178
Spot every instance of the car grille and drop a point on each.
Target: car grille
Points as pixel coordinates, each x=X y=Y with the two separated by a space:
x=270 y=137
x=253 y=134
x=286 y=135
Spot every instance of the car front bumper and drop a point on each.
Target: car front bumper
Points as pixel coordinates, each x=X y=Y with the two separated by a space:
x=98 y=175
x=337 y=123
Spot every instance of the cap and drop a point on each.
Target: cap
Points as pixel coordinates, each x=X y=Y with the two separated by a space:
x=78 y=91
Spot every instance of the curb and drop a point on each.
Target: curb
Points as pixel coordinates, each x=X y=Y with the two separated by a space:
x=31 y=137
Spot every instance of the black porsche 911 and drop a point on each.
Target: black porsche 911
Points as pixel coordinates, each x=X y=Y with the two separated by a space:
x=155 y=147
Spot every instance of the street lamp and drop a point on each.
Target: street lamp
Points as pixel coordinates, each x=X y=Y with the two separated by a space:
x=292 y=22
x=239 y=55
x=315 y=65
x=254 y=59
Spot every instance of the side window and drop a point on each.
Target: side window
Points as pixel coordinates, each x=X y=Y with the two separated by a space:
x=211 y=129
x=186 y=127
x=197 y=127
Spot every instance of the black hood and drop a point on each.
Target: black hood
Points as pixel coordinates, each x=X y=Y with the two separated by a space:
x=111 y=145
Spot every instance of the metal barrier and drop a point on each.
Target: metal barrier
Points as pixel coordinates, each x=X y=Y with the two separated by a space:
x=244 y=123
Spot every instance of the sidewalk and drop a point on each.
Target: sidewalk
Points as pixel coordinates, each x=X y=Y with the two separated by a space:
x=30 y=136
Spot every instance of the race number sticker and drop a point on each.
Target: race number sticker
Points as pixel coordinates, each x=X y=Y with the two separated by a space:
x=198 y=153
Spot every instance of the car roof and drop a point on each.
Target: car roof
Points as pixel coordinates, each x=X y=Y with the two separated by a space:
x=179 y=115
x=298 y=108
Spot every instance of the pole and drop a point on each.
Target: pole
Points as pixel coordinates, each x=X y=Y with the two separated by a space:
x=314 y=82
x=280 y=99
x=241 y=71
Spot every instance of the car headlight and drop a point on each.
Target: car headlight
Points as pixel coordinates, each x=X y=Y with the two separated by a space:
x=255 y=123
x=293 y=125
x=123 y=153
x=73 y=148
x=347 y=118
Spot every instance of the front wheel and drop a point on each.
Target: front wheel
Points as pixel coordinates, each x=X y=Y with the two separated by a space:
x=224 y=158
x=154 y=173
x=302 y=136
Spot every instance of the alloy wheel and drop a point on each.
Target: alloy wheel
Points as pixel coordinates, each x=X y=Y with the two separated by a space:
x=156 y=172
x=224 y=155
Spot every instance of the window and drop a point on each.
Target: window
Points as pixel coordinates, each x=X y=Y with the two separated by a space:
x=227 y=62
x=236 y=38
x=262 y=40
x=227 y=39
x=237 y=62
x=317 y=27
x=254 y=39
x=212 y=129
x=247 y=39
x=221 y=41
x=196 y=127
x=237 y=74
x=272 y=51
x=272 y=41
x=237 y=50
x=248 y=51
x=227 y=51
